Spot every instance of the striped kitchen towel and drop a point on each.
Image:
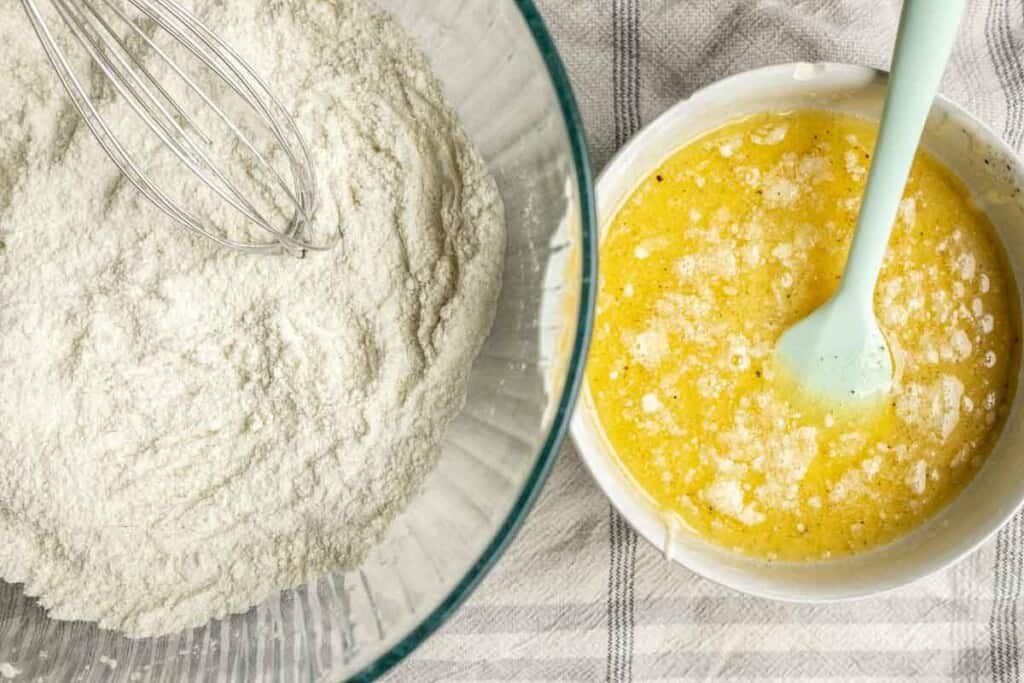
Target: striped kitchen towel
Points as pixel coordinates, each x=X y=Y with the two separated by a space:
x=578 y=596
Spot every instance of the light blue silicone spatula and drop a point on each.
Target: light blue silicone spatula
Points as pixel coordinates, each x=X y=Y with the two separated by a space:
x=839 y=351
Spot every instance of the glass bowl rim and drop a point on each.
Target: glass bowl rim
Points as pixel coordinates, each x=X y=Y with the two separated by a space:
x=584 y=323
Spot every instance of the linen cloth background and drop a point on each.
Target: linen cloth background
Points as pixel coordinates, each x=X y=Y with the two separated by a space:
x=578 y=596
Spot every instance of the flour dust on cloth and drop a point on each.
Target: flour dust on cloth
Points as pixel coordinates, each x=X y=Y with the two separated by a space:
x=578 y=596
x=185 y=429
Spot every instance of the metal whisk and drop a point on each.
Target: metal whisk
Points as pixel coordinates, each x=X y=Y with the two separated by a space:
x=93 y=24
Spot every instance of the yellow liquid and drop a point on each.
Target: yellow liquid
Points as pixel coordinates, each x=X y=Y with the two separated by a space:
x=737 y=236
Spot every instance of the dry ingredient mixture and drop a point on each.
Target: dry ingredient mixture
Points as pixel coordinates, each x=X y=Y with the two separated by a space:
x=737 y=236
x=183 y=429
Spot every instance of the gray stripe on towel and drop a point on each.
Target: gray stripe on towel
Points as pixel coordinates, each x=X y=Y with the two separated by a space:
x=1005 y=51
x=622 y=540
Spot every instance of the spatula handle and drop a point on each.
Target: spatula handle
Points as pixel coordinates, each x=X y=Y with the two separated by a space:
x=924 y=41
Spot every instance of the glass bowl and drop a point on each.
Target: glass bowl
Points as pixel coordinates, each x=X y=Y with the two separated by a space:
x=505 y=79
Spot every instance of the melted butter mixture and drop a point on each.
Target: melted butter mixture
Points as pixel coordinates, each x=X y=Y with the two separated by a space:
x=734 y=238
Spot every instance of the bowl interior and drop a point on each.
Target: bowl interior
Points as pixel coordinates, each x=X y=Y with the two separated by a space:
x=994 y=176
x=502 y=75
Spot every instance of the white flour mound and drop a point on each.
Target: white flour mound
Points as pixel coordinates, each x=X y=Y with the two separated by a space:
x=185 y=430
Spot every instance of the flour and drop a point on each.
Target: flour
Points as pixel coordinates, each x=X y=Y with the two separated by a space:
x=185 y=430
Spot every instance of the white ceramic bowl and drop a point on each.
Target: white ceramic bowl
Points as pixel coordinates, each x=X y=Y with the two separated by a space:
x=995 y=177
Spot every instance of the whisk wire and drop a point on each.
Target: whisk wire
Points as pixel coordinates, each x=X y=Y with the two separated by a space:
x=98 y=126
x=169 y=121
x=153 y=81
x=241 y=77
x=221 y=115
x=219 y=46
x=98 y=50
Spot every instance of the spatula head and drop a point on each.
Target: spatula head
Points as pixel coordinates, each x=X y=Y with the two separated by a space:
x=838 y=353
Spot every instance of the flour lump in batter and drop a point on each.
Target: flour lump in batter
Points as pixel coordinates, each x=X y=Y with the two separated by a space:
x=185 y=430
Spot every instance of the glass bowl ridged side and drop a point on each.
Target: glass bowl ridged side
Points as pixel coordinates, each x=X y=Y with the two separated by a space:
x=504 y=77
